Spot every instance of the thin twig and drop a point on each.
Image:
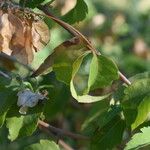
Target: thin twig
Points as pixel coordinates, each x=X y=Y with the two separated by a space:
x=62 y=132
x=5 y=75
x=64 y=145
x=60 y=142
x=124 y=79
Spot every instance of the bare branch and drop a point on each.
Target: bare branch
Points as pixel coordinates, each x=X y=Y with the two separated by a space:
x=5 y=75
x=124 y=79
x=68 y=27
x=62 y=132
x=60 y=142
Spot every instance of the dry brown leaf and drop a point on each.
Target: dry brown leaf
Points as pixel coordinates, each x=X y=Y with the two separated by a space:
x=23 y=51
x=6 y=33
x=20 y=36
x=28 y=44
x=21 y=43
x=40 y=35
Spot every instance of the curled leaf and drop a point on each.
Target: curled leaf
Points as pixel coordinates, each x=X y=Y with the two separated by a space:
x=63 y=58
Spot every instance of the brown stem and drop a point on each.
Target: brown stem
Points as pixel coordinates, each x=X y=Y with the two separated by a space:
x=124 y=79
x=64 y=145
x=68 y=27
x=61 y=131
x=60 y=142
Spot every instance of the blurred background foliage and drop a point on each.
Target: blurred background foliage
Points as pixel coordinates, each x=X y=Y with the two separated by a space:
x=119 y=29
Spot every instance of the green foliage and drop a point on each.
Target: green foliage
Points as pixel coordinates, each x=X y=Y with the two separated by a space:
x=83 y=98
x=102 y=72
x=66 y=54
x=99 y=116
x=113 y=130
x=44 y=145
x=140 y=76
x=58 y=97
x=139 y=140
x=8 y=96
x=2 y=118
x=62 y=58
x=143 y=111
x=77 y=14
x=31 y=3
x=95 y=117
x=21 y=126
x=134 y=95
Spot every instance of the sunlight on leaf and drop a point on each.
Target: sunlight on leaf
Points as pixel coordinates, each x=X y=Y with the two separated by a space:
x=139 y=140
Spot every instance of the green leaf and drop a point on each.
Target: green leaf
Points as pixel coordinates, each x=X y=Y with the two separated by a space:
x=108 y=136
x=142 y=112
x=8 y=97
x=139 y=140
x=134 y=95
x=3 y=137
x=31 y=3
x=2 y=118
x=102 y=72
x=62 y=58
x=140 y=76
x=86 y=98
x=14 y=125
x=78 y=13
x=47 y=2
x=4 y=81
x=100 y=115
x=43 y=145
x=21 y=126
x=138 y=90
x=96 y=113
x=82 y=98
x=58 y=97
